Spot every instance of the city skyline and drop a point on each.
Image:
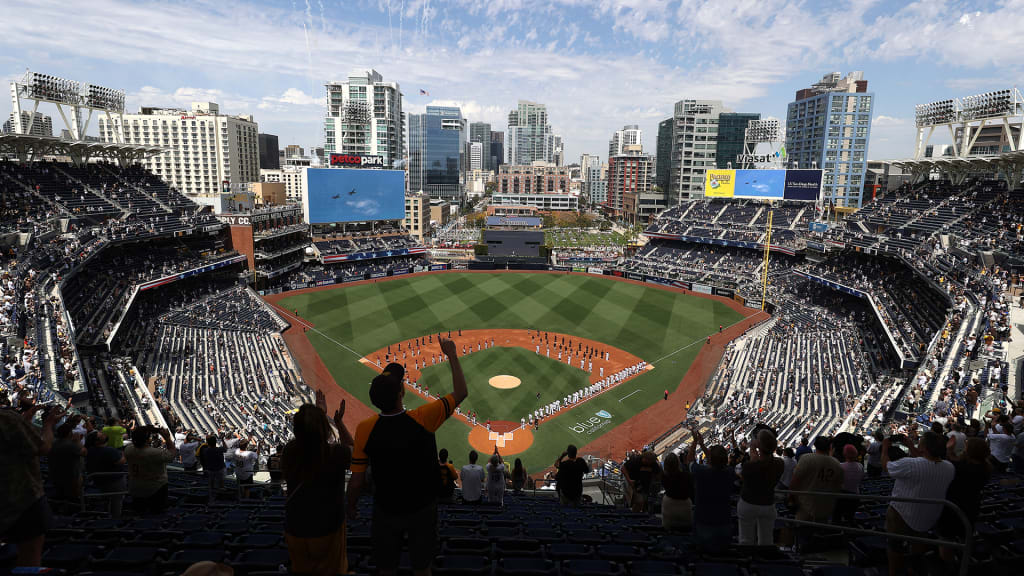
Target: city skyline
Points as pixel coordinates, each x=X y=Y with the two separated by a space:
x=596 y=65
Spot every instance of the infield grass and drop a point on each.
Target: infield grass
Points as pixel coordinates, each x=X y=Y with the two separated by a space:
x=662 y=327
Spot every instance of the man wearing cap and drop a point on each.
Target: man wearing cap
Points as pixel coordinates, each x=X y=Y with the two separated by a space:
x=399 y=445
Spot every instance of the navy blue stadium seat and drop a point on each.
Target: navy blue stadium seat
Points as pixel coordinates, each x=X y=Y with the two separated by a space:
x=463 y=546
x=654 y=568
x=70 y=557
x=518 y=547
x=718 y=569
x=462 y=565
x=204 y=539
x=569 y=551
x=257 y=560
x=526 y=566
x=134 y=558
x=590 y=567
x=619 y=552
x=182 y=559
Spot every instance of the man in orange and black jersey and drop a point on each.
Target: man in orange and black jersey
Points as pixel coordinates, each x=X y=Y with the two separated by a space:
x=399 y=446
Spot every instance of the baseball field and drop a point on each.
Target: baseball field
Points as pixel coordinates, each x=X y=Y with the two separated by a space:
x=352 y=327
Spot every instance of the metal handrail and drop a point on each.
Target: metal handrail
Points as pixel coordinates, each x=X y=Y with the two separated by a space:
x=968 y=529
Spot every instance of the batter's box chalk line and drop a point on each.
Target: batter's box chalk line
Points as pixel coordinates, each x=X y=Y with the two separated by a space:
x=500 y=439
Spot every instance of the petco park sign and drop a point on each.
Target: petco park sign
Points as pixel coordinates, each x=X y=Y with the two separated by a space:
x=357 y=160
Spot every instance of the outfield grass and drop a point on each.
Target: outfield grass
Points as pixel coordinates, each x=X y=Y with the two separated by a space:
x=554 y=380
x=662 y=327
x=572 y=238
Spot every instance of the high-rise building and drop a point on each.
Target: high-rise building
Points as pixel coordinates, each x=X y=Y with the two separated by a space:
x=529 y=135
x=294 y=151
x=630 y=173
x=364 y=116
x=663 y=165
x=732 y=128
x=630 y=135
x=42 y=125
x=476 y=155
x=319 y=154
x=828 y=126
x=269 y=153
x=207 y=151
x=481 y=132
x=694 y=144
x=436 y=142
x=497 y=150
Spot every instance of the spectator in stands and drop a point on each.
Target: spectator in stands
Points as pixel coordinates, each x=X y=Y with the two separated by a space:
x=115 y=433
x=853 y=473
x=756 y=506
x=789 y=463
x=712 y=494
x=274 y=464
x=640 y=472
x=400 y=447
x=970 y=475
x=188 y=451
x=803 y=448
x=107 y=464
x=65 y=462
x=496 y=478
x=314 y=465
x=472 y=480
x=875 y=454
x=676 y=505
x=447 y=478
x=924 y=474
x=519 y=476
x=211 y=456
x=147 y=468
x=816 y=472
x=24 y=513
x=1000 y=442
x=569 y=477
x=245 y=466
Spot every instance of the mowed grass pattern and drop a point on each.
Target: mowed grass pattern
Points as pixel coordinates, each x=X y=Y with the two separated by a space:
x=554 y=380
x=657 y=325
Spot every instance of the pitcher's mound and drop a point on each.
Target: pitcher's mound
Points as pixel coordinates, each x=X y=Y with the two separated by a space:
x=504 y=382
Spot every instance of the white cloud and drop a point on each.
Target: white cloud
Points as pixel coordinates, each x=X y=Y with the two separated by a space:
x=882 y=121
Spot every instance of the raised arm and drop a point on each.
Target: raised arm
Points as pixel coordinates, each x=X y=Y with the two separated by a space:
x=339 y=420
x=459 y=391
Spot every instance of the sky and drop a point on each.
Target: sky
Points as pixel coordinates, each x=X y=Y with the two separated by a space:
x=596 y=64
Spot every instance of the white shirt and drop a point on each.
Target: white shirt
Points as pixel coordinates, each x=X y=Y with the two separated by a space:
x=1001 y=446
x=961 y=442
x=472 y=477
x=245 y=460
x=920 y=478
x=789 y=465
x=188 y=453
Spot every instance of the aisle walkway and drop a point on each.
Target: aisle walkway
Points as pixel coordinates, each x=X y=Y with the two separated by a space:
x=1015 y=348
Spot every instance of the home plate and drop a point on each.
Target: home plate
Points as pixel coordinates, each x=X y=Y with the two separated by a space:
x=500 y=439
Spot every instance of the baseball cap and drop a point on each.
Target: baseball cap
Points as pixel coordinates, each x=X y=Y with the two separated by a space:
x=386 y=386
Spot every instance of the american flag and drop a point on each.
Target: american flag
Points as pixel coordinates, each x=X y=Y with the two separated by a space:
x=424 y=92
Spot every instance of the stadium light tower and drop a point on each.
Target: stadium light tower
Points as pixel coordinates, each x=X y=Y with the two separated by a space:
x=970 y=115
x=63 y=93
x=763 y=144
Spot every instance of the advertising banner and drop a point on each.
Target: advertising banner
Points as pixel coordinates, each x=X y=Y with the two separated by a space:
x=740 y=299
x=634 y=276
x=598 y=271
x=656 y=280
x=719 y=183
x=371 y=255
x=561 y=268
x=353 y=278
x=803 y=185
x=819 y=246
x=420 y=269
x=702 y=288
x=724 y=292
x=434 y=267
x=681 y=284
x=351 y=195
x=617 y=273
x=378 y=275
x=760 y=184
x=818 y=226
x=399 y=271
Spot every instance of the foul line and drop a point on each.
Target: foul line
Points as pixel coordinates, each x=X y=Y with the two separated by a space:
x=670 y=354
x=630 y=394
x=314 y=329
